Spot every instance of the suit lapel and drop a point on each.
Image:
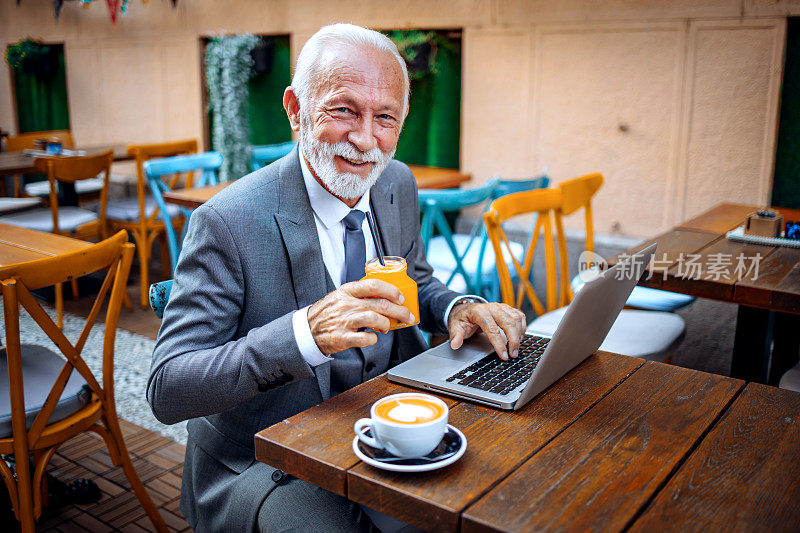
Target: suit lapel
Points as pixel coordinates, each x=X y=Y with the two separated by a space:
x=299 y=233
x=384 y=206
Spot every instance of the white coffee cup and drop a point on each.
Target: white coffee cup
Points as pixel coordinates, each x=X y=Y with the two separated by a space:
x=410 y=424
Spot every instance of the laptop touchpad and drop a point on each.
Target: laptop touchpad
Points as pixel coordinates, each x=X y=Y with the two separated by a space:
x=477 y=345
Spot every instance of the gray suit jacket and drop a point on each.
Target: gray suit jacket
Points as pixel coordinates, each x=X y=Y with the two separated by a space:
x=226 y=355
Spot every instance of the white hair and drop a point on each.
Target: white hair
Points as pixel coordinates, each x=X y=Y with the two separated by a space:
x=307 y=73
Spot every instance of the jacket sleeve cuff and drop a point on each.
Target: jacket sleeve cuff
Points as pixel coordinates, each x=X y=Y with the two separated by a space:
x=446 y=311
x=305 y=340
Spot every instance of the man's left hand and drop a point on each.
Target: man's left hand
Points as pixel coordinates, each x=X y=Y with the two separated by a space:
x=502 y=324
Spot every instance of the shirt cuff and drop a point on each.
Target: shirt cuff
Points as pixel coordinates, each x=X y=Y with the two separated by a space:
x=452 y=304
x=305 y=340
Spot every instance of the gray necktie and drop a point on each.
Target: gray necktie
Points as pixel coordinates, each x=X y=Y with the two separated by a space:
x=355 y=249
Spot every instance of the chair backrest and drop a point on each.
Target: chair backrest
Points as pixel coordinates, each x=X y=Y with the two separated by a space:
x=577 y=193
x=26 y=141
x=114 y=255
x=145 y=152
x=546 y=205
x=72 y=169
x=433 y=203
x=159 y=296
x=509 y=186
x=261 y=156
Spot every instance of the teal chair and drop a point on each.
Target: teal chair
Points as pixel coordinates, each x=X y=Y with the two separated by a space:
x=165 y=174
x=261 y=156
x=455 y=257
x=159 y=296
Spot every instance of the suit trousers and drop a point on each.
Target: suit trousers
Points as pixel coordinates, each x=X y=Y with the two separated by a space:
x=295 y=505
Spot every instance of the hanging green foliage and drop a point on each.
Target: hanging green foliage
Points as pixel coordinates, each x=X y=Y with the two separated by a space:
x=419 y=48
x=228 y=69
x=32 y=57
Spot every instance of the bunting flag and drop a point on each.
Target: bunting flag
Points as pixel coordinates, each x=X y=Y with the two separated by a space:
x=113 y=6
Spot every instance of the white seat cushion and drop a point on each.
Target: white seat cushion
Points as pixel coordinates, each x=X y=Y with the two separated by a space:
x=128 y=209
x=791 y=379
x=457 y=284
x=439 y=255
x=40 y=368
x=69 y=218
x=641 y=297
x=651 y=335
x=42 y=188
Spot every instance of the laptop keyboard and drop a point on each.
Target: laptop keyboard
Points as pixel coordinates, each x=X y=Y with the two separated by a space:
x=492 y=374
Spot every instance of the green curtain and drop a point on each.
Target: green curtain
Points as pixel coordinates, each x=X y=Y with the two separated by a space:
x=786 y=182
x=42 y=104
x=268 y=122
x=432 y=131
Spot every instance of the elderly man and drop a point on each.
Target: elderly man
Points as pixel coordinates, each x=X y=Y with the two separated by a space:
x=267 y=316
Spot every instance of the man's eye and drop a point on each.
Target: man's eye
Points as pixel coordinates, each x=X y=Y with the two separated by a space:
x=342 y=110
x=386 y=117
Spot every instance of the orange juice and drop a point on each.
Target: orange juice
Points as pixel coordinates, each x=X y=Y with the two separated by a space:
x=395 y=273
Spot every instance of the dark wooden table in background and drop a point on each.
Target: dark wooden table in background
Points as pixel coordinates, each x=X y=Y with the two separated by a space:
x=768 y=321
x=616 y=444
x=22 y=163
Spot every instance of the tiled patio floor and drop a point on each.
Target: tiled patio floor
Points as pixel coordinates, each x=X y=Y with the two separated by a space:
x=159 y=463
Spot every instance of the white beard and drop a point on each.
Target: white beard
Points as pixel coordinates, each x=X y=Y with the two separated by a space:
x=320 y=154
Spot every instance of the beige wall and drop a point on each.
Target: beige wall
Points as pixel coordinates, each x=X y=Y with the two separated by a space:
x=674 y=102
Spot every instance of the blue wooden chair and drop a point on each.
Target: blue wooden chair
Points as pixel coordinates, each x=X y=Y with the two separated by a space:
x=455 y=257
x=261 y=156
x=166 y=173
x=159 y=296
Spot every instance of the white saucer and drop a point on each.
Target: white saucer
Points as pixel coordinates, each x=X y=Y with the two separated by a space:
x=423 y=467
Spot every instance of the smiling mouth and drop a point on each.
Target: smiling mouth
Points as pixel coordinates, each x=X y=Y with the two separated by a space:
x=353 y=162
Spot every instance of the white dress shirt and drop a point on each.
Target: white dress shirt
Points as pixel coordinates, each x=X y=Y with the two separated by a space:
x=329 y=212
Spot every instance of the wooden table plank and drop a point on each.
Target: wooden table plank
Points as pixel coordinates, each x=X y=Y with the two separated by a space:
x=600 y=471
x=772 y=270
x=22 y=244
x=786 y=296
x=705 y=283
x=744 y=476
x=719 y=219
x=438 y=178
x=194 y=198
x=670 y=247
x=315 y=445
x=498 y=442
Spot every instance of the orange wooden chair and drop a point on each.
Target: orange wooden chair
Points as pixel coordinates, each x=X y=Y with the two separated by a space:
x=647 y=334
x=578 y=193
x=140 y=215
x=72 y=221
x=53 y=399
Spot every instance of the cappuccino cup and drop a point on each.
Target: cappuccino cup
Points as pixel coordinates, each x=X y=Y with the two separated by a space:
x=407 y=425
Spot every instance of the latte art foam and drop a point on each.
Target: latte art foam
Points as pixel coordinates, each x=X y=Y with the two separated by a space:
x=409 y=410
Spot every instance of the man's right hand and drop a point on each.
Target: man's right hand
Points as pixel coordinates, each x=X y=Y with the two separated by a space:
x=336 y=319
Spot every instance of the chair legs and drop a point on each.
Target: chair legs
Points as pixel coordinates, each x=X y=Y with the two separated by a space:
x=121 y=456
x=59 y=287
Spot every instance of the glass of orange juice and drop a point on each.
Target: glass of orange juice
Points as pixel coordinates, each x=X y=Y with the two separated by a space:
x=395 y=273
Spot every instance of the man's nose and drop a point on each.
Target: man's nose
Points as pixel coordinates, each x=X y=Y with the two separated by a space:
x=362 y=136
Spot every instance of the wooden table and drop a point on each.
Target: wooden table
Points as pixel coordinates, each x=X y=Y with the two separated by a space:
x=427 y=178
x=617 y=444
x=22 y=163
x=18 y=245
x=438 y=178
x=769 y=300
x=194 y=198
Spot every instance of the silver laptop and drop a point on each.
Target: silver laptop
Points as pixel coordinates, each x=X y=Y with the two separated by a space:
x=474 y=372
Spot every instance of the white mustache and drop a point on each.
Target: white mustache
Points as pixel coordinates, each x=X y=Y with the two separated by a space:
x=348 y=151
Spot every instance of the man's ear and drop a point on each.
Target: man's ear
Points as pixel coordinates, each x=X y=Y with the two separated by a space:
x=292 y=106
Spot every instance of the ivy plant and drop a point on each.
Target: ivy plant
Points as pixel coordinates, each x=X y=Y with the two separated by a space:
x=228 y=69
